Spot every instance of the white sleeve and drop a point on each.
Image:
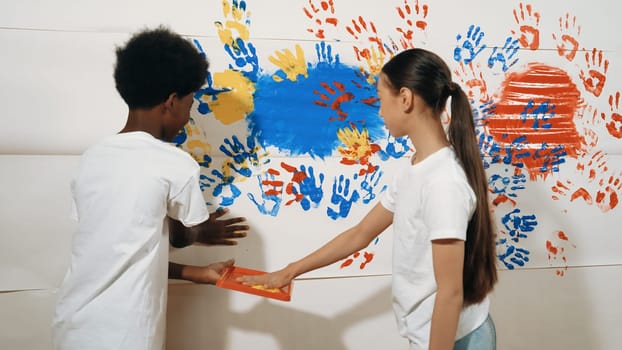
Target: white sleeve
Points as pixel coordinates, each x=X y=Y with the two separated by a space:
x=188 y=205
x=388 y=197
x=447 y=208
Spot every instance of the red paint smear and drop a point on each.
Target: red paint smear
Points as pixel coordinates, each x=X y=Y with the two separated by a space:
x=368 y=258
x=347 y=263
x=332 y=21
x=551 y=248
x=288 y=167
x=401 y=13
x=582 y=193
x=307 y=13
x=540 y=83
x=562 y=235
x=613 y=199
x=615 y=125
x=370 y=101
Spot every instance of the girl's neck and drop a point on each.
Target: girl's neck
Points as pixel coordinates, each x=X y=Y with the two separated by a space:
x=428 y=138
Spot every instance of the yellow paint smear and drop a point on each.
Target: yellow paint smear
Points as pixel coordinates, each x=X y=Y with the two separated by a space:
x=231 y=106
x=270 y=290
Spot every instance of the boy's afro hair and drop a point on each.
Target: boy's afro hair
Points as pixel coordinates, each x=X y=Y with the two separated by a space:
x=156 y=63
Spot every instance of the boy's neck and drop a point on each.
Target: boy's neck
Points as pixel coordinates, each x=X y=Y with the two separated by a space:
x=146 y=120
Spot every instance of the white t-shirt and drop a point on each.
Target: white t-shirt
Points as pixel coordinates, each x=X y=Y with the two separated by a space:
x=114 y=293
x=430 y=200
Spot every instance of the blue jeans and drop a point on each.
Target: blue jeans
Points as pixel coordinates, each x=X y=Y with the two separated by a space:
x=482 y=338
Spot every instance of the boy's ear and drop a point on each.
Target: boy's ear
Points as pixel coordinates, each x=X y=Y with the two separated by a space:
x=170 y=100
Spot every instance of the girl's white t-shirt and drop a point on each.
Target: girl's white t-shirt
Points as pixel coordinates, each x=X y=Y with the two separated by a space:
x=114 y=293
x=430 y=200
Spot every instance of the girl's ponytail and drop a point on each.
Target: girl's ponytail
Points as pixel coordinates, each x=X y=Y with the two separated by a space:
x=480 y=273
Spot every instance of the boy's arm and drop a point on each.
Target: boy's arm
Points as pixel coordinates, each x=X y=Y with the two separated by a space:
x=198 y=274
x=211 y=232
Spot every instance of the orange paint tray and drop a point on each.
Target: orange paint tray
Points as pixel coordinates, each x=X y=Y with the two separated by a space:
x=228 y=280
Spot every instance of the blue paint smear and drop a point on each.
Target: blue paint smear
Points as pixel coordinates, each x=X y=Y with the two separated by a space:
x=286 y=117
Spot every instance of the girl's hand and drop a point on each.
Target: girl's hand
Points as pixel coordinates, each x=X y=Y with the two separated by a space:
x=276 y=279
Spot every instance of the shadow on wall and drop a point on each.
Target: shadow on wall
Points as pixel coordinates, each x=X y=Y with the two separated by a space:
x=536 y=309
x=202 y=317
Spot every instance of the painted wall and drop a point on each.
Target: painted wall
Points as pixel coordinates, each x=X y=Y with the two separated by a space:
x=287 y=133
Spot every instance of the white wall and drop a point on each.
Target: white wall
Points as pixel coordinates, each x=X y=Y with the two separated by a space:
x=59 y=97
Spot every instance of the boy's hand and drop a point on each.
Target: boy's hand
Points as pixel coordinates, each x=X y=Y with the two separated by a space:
x=221 y=232
x=206 y=274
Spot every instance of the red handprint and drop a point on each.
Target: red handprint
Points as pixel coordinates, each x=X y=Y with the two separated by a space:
x=614 y=126
x=593 y=79
x=528 y=22
x=321 y=16
x=568 y=44
x=338 y=95
x=420 y=12
x=473 y=78
x=557 y=249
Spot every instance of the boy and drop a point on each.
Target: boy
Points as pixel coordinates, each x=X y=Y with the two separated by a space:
x=130 y=191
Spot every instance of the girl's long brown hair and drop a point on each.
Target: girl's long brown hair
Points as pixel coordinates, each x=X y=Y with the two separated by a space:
x=428 y=76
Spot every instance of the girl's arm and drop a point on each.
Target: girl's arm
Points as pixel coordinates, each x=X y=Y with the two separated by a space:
x=340 y=247
x=448 y=260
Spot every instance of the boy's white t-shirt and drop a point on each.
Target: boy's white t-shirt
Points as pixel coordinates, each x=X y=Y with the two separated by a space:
x=114 y=293
x=429 y=200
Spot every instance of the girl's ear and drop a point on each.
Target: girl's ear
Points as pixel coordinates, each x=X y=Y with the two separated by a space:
x=406 y=99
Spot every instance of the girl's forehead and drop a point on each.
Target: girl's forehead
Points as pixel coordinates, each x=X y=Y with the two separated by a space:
x=382 y=82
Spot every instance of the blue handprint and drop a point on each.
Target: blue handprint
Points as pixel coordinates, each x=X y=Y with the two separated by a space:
x=513 y=256
x=369 y=184
x=310 y=189
x=226 y=183
x=325 y=55
x=206 y=162
x=244 y=57
x=342 y=198
x=518 y=225
x=470 y=45
x=243 y=158
x=506 y=185
x=506 y=56
x=489 y=149
x=205 y=181
x=271 y=194
x=396 y=148
x=540 y=114
x=208 y=92
x=552 y=158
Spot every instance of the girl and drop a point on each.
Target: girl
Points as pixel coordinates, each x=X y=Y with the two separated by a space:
x=443 y=249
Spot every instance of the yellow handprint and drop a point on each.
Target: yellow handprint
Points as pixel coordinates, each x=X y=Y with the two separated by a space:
x=236 y=25
x=196 y=144
x=292 y=65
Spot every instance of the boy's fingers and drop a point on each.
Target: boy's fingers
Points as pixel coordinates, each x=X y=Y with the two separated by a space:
x=219 y=212
x=237 y=228
x=235 y=220
x=221 y=242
